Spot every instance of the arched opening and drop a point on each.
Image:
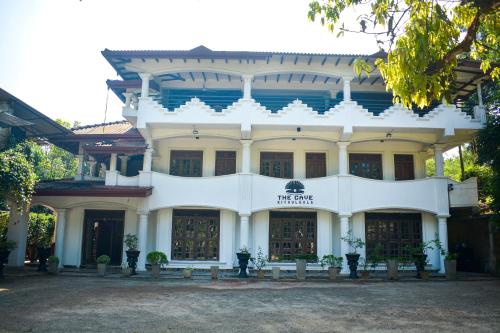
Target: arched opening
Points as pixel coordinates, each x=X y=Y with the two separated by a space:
x=40 y=239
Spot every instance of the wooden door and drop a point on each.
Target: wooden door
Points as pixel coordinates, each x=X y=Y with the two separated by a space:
x=403 y=167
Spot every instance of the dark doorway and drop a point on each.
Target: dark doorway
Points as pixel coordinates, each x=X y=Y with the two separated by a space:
x=403 y=167
x=103 y=234
x=291 y=234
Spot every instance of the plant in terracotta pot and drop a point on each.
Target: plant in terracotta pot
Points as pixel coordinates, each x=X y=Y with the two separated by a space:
x=188 y=272
x=364 y=264
x=259 y=263
x=5 y=247
x=353 y=256
x=156 y=259
x=102 y=263
x=334 y=265
x=132 y=244
x=418 y=253
x=243 y=258
x=53 y=264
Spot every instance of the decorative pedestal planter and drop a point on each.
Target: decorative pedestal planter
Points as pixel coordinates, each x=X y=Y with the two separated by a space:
x=450 y=267
x=101 y=269
x=243 y=262
x=333 y=273
x=214 y=272
x=301 y=269
x=132 y=256
x=155 y=271
x=276 y=273
x=43 y=254
x=4 y=258
x=352 y=262
x=392 y=269
x=419 y=261
x=261 y=274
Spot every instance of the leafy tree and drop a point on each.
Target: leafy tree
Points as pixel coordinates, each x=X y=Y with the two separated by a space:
x=423 y=39
x=17 y=177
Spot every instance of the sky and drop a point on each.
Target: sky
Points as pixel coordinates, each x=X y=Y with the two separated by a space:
x=50 y=50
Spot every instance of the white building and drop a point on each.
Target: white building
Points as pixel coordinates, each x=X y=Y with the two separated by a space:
x=282 y=151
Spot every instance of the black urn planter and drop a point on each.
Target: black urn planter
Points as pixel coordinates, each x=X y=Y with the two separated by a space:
x=419 y=260
x=243 y=261
x=4 y=258
x=43 y=253
x=132 y=256
x=352 y=262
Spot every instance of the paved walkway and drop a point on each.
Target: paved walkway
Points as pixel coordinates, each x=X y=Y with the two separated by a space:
x=91 y=304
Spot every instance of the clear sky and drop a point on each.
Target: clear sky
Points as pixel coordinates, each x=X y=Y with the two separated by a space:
x=50 y=49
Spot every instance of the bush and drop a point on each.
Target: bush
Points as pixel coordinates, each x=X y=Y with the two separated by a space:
x=40 y=229
x=103 y=259
x=131 y=242
x=331 y=260
x=7 y=245
x=157 y=258
x=53 y=260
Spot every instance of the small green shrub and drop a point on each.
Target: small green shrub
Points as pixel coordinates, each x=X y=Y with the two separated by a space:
x=157 y=258
x=131 y=242
x=103 y=259
x=7 y=245
x=53 y=260
x=331 y=260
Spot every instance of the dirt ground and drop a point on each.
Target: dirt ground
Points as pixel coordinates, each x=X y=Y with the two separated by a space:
x=92 y=304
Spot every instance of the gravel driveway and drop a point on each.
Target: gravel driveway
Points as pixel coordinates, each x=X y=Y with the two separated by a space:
x=91 y=304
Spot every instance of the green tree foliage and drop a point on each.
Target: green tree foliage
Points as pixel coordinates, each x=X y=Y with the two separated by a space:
x=40 y=229
x=423 y=39
x=17 y=177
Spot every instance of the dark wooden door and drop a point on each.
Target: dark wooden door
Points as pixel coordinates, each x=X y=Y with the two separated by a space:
x=404 y=168
x=103 y=234
x=315 y=165
x=225 y=163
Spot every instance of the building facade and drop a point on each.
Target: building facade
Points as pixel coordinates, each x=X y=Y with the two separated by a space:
x=281 y=152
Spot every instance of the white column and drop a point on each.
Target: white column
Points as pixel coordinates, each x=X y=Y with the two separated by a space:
x=60 y=227
x=344 y=247
x=17 y=231
x=439 y=160
x=245 y=156
x=247 y=86
x=112 y=162
x=92 y=168
x=244 y=230
x=135 y=101
x=123 y=164
x=479 y=95
x=142 y=236
x=145 y=77
x=343 y=160
x=164 y=231
x=148 y=159
x=128 y=99
x=347 y=88
x=443 y=239
x=79 y=170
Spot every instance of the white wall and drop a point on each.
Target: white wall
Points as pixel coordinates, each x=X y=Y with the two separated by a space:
x=73 y=237
x=226 y=243
x=260 y=228
x=324 y=233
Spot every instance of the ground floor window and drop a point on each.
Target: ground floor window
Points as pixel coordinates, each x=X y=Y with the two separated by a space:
x=195 y=234
x=102 y=234
x=291 y=234
x=393 y=231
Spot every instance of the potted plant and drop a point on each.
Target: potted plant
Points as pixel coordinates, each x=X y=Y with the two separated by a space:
x=301 y=261
x=156 y=259
x=126 y=270
x=243 y=258
x=5 y=247
x=43 y=250
x=333 y=263
x=188 y=272
x=53 y=264
x=450 y=264
x=131 y=243
x=102 y=263
x=364 y=263
x=353 y=256
x=259 y=263
x=375 y=258
x=418 y=253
